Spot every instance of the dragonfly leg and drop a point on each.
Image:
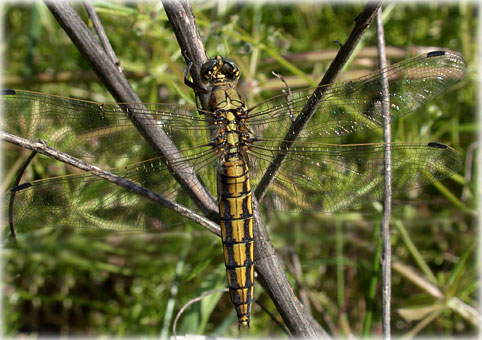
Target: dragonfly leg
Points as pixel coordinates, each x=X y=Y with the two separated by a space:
x=197 y=89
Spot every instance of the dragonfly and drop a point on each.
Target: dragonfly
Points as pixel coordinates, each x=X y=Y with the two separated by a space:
x=229 y=146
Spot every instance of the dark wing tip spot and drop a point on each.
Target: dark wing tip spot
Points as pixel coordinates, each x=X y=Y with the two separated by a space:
x=435 y=54
x=21 y=187
x=437 y=145
x=6 y=92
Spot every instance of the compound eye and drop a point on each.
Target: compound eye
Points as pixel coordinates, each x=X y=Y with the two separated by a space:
x=233 y=67
x=229 y=61
x=208 y=67
x=235 y=71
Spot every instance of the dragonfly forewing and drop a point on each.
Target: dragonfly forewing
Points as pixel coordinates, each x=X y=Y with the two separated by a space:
x=91 y=130
x=355 y=105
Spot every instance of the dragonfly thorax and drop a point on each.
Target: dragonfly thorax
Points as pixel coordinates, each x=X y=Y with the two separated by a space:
x=232 y=134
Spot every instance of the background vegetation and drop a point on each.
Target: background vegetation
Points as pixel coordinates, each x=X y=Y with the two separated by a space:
x=86 y=282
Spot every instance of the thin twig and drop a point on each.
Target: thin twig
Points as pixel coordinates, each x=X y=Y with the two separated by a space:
x=190 y=302
x=279 y=324
x=12 y=197
x=99 y=29
x=43 y=149
x=362 y=23
x=387 y=204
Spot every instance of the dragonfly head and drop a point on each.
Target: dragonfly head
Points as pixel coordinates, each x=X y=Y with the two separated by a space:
x=219 y=71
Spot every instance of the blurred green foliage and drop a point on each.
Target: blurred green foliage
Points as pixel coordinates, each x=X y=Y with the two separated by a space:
x=88 y=282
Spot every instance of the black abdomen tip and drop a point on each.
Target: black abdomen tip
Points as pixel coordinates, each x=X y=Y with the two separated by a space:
x=435 y=54
x=437 y=145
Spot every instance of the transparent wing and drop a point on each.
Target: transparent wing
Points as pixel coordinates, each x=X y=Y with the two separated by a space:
x=325 y=177
x=314 y=177
x=356 y=105
x=94 y=130
x=88 y=201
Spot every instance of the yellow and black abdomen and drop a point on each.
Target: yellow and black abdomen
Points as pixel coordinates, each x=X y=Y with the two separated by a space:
x=236 y=219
